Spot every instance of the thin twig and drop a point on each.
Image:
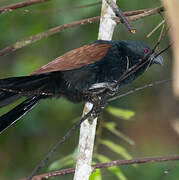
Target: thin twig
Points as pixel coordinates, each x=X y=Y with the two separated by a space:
x=163 y=50
x=20 y=5
x=162 y=35
x=141 y=14
x=45 y=34
x=160 y=24
x=59 y=143
x=121 y=15
x=139 y=89
x=67 y=9
x=136 y=12
x=109 y=164
x=136 y=161
x=3 y=0
x=162 y=32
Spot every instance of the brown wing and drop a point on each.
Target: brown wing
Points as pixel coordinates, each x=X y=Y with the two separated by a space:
x=76 y=58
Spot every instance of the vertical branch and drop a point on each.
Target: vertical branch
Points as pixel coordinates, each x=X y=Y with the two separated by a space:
x=172 y=7
x=83 y=168
x=107 y=24
x=85 y=148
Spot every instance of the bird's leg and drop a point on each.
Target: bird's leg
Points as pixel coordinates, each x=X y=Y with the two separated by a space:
x=98 y=93
x=99 y=103
x=111 y=88
x=97 y=99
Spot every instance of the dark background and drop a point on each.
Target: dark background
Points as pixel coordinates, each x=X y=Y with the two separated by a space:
x=153 y=128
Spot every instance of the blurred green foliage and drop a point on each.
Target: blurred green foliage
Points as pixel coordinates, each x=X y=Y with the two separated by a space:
x=120 y=113
x=114 y=170
x=25 y=144
x=96 y=175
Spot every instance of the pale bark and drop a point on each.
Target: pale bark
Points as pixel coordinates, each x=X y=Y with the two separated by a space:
x=88 y=128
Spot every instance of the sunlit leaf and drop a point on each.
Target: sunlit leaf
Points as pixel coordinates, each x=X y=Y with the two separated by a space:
x=102 y=158
x=121 y=113
x=111 y=126
x=118 y=173
x=96 y=175
x=116 y=148
x=114 y=169
x=63 y=162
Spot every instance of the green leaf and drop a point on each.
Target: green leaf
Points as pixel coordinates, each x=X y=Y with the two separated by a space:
x=61 y=163
x=96 y=175
x=116 y=148
x=121 y=113
x=114 y=170
x=111 y=126
x=118 y=173
x=102 y=158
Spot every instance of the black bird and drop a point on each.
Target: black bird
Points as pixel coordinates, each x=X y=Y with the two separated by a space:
x=76 y=75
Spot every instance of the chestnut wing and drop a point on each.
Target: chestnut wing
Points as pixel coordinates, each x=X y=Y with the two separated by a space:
x=76 y=58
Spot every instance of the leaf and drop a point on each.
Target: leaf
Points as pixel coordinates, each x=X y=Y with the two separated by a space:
x=61 y=163
x=96 y=175
x=118 y=173
x=116 y=148
x=121 y=113
x=111 y=126
x=102 y=158
x=114 y=170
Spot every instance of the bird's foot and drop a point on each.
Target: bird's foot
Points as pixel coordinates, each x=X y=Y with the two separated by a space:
x=99 y=104
x=111 y=88
x=98 y=94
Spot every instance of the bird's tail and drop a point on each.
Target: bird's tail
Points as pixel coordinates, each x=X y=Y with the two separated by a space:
x=34 y=87
x=11 y=89
x=25 y=85
x=16 y=113
x=8 y=98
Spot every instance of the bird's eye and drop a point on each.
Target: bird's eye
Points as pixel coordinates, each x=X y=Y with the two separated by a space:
x=146 y=50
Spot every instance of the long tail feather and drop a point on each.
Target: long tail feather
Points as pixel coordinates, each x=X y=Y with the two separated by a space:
x=11 y=89
x=34 y=87
x=7 y=98
x=24 y=83
x=16 y=113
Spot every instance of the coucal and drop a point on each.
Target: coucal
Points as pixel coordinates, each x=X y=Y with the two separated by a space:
x=77 y=75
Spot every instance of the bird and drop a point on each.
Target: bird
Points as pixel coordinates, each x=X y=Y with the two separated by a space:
x=93 y=70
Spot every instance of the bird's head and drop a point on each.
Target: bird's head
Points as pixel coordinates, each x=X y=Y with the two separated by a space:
x=143 y=52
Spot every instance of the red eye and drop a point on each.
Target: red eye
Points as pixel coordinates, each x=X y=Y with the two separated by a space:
x=146 y=50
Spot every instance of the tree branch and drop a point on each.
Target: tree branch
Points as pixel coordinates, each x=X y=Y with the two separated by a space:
x=59 y=143
x=20 y=5
x=121 y=15
x=139 y=89
x=133 y=16
x=83 y=168
x=142 y=14
x=71 y=8
x=45 y=34
x=109 y=164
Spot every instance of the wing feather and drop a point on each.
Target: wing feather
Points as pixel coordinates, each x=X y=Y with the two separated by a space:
x=76 y=58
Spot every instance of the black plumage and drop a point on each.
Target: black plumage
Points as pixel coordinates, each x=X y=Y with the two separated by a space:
x=76 y=75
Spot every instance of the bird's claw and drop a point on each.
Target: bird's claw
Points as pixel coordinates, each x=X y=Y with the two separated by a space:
x=98 y=108
x=111 y=88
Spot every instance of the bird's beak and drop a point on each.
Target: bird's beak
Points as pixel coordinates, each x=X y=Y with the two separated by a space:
x=158 y=60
